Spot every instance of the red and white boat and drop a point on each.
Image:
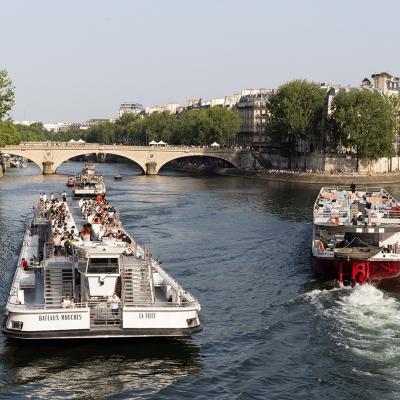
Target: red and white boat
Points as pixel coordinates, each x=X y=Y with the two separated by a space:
x=71 y=181
x=356 y=235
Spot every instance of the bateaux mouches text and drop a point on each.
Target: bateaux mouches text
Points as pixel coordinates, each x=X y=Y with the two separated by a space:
x=60 y=317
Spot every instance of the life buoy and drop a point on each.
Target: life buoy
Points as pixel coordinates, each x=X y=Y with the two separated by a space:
x=319 y=246
x=129 y=250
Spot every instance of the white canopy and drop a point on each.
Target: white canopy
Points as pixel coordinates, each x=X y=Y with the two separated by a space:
x=81 y=141
x=161 y=143
x=153 y=142
x=215 y=144
x=71 y=141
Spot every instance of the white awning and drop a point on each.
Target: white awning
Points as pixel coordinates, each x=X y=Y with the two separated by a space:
x=215 y=144
x=153 y=142
x=71 y=141
x=81 y=141
x=161 y=143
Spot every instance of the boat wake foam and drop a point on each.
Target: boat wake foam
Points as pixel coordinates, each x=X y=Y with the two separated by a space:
x=364 y=320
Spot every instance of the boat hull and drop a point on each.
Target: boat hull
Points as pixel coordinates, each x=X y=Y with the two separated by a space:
x=105 y=333
x=87 y=194
x=379 y=270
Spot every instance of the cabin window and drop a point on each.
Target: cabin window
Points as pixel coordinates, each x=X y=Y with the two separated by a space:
x=103 y=266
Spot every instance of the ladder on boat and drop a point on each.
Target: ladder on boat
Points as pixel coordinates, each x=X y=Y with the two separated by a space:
x=137 y=284
x=58 y=281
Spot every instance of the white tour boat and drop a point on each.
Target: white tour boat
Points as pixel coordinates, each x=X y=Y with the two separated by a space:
x=88 y=185
x=94 y=285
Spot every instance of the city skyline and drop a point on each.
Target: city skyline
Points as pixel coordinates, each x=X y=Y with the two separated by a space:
x=73 y=61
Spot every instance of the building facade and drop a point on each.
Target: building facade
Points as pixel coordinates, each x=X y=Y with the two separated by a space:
x=386 y=83
x=131 y=108
x=253 y=114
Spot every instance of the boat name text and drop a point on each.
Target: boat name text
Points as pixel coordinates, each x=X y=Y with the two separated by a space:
x=147 y=315
x=60 y=317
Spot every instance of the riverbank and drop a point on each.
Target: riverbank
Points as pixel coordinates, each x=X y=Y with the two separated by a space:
x=312 y=178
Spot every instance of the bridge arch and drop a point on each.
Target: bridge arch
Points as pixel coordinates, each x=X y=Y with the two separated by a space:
x=82 y=152
x=32 y=157
x=222 y=157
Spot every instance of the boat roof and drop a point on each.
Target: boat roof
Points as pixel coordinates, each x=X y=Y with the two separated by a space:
x=356 y=206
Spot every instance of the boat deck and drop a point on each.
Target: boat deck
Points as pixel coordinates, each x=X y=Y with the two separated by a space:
x=367 y=206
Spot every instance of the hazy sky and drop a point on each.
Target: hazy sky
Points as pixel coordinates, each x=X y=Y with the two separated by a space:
x=72 y=60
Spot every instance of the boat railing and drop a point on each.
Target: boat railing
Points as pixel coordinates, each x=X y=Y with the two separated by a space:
x=15 y=303
x=331 y=216
x=98 y=305
x=182 y=294
x=163 y=304
x=385 y=216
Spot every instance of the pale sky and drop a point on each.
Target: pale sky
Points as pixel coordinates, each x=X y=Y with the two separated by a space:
x=72 y=60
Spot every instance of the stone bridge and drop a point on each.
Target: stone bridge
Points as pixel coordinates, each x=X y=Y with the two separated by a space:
x=48 y=156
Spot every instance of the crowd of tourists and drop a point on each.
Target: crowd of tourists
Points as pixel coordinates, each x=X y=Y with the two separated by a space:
x=298 y=171
x=103 y=219
x=64 y=231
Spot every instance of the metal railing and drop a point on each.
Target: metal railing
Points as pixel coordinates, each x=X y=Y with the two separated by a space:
x=101 y=305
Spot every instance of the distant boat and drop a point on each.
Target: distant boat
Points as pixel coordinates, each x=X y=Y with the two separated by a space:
x=118 y=177
x=71 y=181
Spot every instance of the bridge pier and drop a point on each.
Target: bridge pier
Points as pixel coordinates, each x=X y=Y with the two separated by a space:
x=48 y=168
x=151 y=168
x=101 y=157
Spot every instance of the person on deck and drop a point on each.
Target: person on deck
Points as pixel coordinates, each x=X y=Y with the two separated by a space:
x=66 y=303
x=57 y=243
x=24 y=264
x=114 y=301
x=353 y=187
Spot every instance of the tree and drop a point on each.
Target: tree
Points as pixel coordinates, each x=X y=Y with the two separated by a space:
x=6 y=94
x=8 y=133
x=295 y=113
x=159 y=126
x=394 y=103
x=223 y=123
x=126 y=128
x=103 y=132
x=205 y=126
x=363 y=120
x=32 y=133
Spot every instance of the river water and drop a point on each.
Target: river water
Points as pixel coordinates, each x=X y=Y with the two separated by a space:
x=243 y=248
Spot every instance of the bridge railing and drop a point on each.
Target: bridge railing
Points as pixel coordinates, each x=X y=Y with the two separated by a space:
x=104 y=147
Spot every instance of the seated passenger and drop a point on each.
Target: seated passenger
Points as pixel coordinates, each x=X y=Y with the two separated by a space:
x=24 y=264
x=66 y=303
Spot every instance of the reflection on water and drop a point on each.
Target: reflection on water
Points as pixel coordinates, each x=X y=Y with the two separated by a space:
x=95 y=369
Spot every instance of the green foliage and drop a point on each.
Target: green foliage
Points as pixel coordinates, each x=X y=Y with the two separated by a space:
x=363 y=120
x=394 y=103
x=295 y=111
x=159 y=126
x=65 y=136
x=32 y=133
x=103 y=132
x=206 y=126
x=8 y=133
x=6 y=94
x=194 y=127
